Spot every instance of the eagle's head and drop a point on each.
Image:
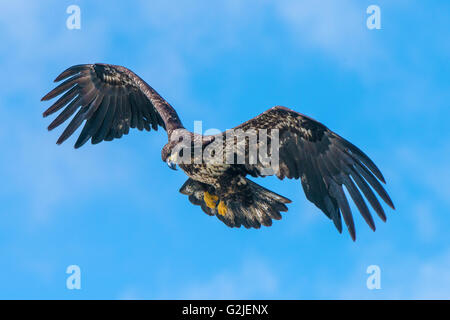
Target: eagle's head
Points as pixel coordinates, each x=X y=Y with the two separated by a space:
x=184 y=147
x=170 y=154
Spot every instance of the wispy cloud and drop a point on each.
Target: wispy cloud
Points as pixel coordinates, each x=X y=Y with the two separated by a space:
x=336 y=29
x=252 y=279
x=406 y=277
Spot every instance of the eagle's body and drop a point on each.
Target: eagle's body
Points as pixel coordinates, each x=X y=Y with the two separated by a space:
x=112 y=99
x=213 y=175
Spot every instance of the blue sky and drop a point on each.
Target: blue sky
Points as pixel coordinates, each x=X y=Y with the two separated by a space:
x=114 y=208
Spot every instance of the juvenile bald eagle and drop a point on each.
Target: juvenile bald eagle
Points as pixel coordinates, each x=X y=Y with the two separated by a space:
x=112 y=99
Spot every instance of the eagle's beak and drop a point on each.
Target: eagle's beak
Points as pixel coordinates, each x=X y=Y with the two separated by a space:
x=171 y=164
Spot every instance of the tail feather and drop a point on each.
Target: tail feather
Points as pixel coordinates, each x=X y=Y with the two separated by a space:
x=250 y=206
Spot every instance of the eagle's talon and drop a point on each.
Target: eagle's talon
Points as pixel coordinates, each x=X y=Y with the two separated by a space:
x=222 y=208
x=210 y=200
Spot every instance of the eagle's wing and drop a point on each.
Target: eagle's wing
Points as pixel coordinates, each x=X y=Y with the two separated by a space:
x=324 y=161
x=112 y=99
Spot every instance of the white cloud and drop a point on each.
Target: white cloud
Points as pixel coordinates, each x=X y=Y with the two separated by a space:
x=253 y=279
x=426 y=222
x=46 y=176
x=335 y=28
x=427 y=167
x=129 y=293
x=34 y=41
x=432 y=280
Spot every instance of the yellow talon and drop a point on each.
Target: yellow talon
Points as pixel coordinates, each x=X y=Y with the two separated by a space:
x=210 y=200
x=222 y=208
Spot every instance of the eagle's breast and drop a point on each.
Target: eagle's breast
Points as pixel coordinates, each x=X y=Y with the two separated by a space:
x=206 y=173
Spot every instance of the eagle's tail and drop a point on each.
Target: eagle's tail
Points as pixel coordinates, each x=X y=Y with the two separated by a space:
x=251 y=205
x=254 y=206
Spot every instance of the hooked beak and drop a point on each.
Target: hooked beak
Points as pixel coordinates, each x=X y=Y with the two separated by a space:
x=172 y=165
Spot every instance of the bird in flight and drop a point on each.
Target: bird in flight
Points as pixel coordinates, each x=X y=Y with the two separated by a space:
x=111 y=99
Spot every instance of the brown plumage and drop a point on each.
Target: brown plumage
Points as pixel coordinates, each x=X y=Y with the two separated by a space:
x=110 y=100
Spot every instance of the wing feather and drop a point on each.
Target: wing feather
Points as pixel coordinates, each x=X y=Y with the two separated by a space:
x=109 y=99
x=325 y=163
x=339 y=194
x=66 y=113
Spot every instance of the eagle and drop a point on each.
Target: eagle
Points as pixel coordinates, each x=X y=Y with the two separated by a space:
x=111 y=99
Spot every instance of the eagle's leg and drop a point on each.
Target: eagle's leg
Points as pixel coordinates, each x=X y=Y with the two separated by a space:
x=222 y=208
x=210 y=199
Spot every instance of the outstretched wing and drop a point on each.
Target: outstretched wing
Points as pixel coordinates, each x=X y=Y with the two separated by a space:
x=111 y=99
x=325 y=162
